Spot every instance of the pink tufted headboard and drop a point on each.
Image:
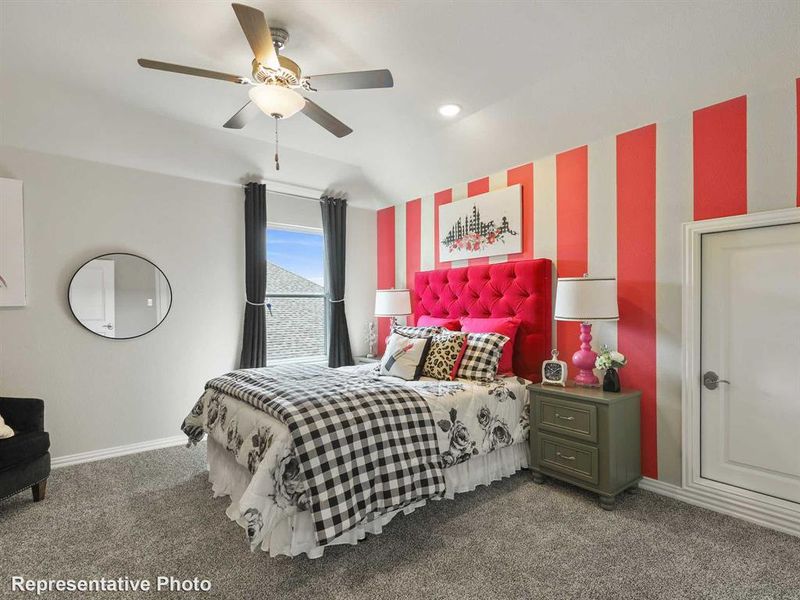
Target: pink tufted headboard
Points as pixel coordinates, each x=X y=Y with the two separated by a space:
x=521 y=289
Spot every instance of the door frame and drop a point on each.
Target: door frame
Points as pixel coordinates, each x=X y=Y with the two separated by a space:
x=746 y=504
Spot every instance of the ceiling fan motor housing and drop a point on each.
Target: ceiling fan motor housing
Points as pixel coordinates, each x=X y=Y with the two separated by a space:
x=289 y=74
x=279 y=37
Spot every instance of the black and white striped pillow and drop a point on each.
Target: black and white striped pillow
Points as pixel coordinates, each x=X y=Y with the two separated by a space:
x=416 y=332
x=482 y=356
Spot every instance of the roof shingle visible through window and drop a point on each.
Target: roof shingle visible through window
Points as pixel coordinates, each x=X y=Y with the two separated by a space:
x=295 y=326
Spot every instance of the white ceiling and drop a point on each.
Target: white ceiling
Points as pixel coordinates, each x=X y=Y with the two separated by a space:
x=533 y=77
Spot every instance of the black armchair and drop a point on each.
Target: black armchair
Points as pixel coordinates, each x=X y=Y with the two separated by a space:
x=25 y=457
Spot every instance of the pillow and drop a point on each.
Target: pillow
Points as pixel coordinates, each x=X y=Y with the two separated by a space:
x=404 y=357
x=429 y=321
x=444 y=355
x=5 y=430
x=482 y=356
x=416 y=332
x=506 y=326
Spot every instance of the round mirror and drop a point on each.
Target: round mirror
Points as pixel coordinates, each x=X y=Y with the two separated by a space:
x=119 y=296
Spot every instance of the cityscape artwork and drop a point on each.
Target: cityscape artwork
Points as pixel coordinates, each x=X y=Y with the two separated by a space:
x=489 y=224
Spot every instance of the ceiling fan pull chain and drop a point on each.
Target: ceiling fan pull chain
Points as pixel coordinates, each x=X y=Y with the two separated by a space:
x=277 y=164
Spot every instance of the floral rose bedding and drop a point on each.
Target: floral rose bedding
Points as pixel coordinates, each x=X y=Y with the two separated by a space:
x=469 y=418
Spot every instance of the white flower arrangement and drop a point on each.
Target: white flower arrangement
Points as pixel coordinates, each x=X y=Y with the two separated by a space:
x=608 y=359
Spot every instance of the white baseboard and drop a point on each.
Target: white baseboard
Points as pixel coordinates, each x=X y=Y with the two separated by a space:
x=93 y=455
x=760 y=514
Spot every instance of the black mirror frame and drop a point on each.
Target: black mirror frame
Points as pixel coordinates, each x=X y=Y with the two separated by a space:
x=133 y=337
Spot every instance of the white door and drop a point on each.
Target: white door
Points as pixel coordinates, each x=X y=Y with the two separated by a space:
x=750 y=424
x=91 y=296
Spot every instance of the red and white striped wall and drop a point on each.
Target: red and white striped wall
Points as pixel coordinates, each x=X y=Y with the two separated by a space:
x=614 y=208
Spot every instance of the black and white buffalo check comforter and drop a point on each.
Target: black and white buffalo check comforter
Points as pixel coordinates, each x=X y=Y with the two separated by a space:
x=362 y=445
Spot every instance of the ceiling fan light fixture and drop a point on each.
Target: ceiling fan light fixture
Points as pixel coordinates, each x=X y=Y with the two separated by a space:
x=276 y=100
x=449 y=110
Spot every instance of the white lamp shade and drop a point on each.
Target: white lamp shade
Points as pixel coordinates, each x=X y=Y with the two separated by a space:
x=392 y=303
x=277 y=100
x=586 y=299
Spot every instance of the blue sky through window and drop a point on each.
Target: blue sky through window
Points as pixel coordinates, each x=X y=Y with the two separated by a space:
x=298 y=252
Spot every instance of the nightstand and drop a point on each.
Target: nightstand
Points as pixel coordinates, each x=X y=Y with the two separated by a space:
x=363 y=360
x=586 y=437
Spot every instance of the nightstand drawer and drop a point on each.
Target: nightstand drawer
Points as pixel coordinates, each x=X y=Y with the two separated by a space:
x=568 y=457
x=574 y=419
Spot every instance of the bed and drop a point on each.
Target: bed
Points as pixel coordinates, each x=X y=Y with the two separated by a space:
x=312 y=457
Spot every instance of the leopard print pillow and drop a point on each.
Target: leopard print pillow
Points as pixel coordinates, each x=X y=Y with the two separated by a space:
x=443 y=354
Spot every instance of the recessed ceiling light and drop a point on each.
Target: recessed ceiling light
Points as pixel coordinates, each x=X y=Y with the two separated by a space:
x=449 y=110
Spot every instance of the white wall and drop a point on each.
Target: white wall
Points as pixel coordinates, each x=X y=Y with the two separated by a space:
x=362 y=275
x=101 y=393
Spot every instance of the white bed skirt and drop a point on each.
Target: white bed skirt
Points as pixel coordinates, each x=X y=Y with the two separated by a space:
x=294 y=535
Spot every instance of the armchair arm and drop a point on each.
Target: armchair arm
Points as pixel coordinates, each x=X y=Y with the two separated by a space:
x=23 y=414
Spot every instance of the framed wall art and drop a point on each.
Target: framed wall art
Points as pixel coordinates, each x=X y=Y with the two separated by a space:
x=12 y=244
x=485 y=225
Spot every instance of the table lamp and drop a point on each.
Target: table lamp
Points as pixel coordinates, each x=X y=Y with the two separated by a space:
x=586 y=299
x=392 y=303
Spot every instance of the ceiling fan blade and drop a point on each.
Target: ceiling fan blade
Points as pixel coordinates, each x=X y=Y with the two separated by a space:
x=163 y=66
x=355 y=80
x=243 y=116
x=322 y=117
x=256 y=30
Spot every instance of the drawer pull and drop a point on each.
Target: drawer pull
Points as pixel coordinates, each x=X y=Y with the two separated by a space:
x=559 y=455
x=558 y=416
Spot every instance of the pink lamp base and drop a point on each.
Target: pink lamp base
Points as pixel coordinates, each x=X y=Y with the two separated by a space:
x=584 y=358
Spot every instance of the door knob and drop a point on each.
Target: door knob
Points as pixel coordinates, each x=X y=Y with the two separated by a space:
x=711 y=380
x=108 y=326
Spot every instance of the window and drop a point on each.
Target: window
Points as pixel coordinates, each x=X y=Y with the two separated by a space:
x=296 y=311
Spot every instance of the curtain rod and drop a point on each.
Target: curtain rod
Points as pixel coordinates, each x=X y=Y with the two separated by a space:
x=311 y=198
x=292 y=195
x=289 y=189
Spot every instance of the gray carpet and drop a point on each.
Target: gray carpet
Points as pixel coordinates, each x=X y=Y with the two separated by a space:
x=152 y=514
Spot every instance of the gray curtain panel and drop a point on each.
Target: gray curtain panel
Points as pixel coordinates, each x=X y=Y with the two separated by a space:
x=254 y=340
x=334 y=227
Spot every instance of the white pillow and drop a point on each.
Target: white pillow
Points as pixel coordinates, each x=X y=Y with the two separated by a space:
x=5 y=430
x=404 y=357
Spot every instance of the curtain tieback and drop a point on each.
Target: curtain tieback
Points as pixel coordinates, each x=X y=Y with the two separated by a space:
x=255 y=303
x=335 y=301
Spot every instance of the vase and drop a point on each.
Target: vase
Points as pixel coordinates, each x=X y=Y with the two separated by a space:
x=611 y=380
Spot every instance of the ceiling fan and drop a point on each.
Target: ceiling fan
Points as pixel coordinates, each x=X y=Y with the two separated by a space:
x=276 y=79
